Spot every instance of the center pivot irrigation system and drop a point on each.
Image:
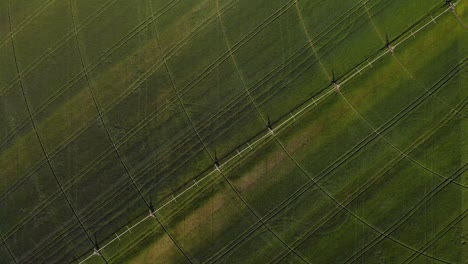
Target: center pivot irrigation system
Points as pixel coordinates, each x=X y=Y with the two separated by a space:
x=271 y=131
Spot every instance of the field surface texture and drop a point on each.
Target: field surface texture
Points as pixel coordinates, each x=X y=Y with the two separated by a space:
x=233 y=131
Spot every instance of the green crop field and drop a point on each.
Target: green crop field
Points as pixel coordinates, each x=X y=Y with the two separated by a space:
x=233 y=131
